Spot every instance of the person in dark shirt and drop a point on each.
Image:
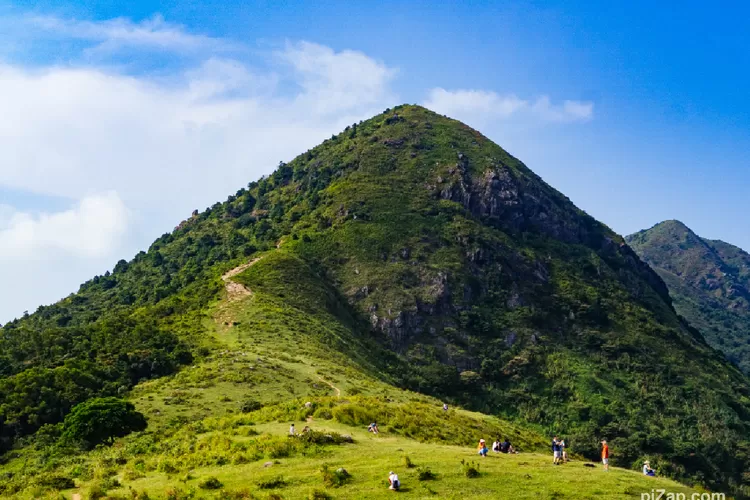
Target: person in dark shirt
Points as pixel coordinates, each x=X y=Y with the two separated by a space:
x=556 y=450
x=506 y=447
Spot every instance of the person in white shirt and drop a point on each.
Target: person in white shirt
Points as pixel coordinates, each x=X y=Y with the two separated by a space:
x=647 y=470
x=393 y=481
x=291 y=430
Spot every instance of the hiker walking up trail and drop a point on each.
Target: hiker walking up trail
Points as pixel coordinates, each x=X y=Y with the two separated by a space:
x=564 y=450
x=605 y=455
x=394 y=483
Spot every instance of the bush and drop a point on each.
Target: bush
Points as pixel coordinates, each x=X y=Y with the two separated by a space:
x=178 y=494
x=269 y=484
x=408 y=463
x=210 y=483
x=250 y=405
x=319 y=495
x=56 y=482
x=317 y=437
x=243 y=494
x=336 y=477
x=470 y=469
x=96 y=491
x=323 y=414
x=354 y=415
x=425 y=474
x=101 y=420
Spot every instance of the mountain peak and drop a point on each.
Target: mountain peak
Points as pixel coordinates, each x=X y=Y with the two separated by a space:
x=674 y=224
x=709 y=281
x=408 y=251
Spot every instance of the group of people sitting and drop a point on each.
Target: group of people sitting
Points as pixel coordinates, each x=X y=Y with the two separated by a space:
x=497 y=447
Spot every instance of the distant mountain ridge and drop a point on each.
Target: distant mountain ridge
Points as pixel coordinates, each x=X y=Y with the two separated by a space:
x=709 y=281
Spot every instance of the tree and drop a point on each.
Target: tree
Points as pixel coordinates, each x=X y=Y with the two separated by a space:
x=101 y=420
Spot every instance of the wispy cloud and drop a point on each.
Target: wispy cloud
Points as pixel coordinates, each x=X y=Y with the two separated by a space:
x=480 y=105
x=337 y=80
x=109 y=35
x=90 y=229
x=165 y=145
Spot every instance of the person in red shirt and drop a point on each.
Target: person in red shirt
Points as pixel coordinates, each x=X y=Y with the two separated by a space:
x=605 y=455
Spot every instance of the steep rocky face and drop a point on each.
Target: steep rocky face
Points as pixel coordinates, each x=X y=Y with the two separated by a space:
x=522 y=202
x=709 y=281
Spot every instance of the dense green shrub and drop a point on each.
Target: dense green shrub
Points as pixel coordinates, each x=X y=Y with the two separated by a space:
x=249 y=405
x=319 y=495
x=425 y=474
x=57 y=482
x=273 y=483
x=470 y=469
x=210 y=483
x=101 y=420
x=334 y=477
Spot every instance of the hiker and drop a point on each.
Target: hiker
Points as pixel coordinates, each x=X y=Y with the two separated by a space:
x=496 y=446
x=506 y=447
x=291 y=430
x=483 y=448
x=556 y=451
x=445 y=406
x=605 y=455
x=373 y=428
x=564 y=450
x=306 y=430
x=647 y=470
x=394 y=483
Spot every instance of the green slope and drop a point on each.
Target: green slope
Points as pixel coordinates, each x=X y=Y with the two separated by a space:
x=268 y=350
x=412 y=253
x=709 y=282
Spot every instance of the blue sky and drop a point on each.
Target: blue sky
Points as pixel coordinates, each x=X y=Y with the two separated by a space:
x=121 y=117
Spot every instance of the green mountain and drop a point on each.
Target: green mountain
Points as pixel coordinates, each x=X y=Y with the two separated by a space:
x=709 y=281
x=406 y=258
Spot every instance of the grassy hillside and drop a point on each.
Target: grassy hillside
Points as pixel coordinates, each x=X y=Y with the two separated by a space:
x=404 y=259
x=198 y=430
x=709 y=282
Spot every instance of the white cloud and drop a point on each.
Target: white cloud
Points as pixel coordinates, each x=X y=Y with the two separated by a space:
x=173 y=143
x=166 y=146
x=66 y=131
x=153 y=33
x=91 y=229
x=479 y=107
x=334 y=81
